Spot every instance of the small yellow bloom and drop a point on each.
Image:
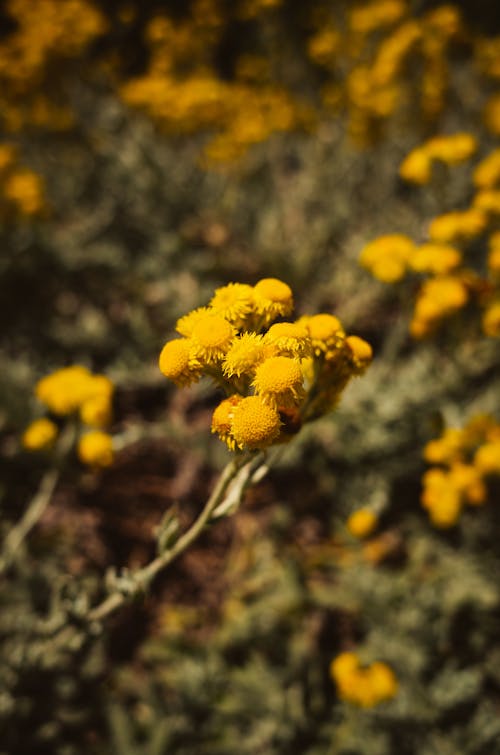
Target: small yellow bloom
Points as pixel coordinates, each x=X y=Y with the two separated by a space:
x=456 y=225
x=416 y=167
x=279 y=381
x=325 y=331
x=273 y=298
x=95 y=448
x=211 y=338
x=488 y=200
x=185 y=324
x=452 y=149
x=234 y=302
x=222 y=420
x=289 y=339
x=487 y=172
x=361 y=523
x=487 y=458
x=245 y=353
x=254 y=424
x=361 y=353
x=41 y=434
x=435 y=258
x=387 y=256
x=177 y=363
x=96 y=411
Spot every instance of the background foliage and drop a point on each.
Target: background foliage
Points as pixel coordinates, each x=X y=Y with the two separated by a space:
x=129 y=216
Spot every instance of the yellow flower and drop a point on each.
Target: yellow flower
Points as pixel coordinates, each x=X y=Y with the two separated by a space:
x=96 y=411
x=362 y=522
x=185 y=324
x=445 y=449
x=452 y=149
x=234 y=302
x=383 y=682
x=272 y=298
x=491 y=320
x=177 y=363
x=488 y=200
x=387 y=256
x=360 y=353
x=25 y=189
x=416 y=167
x=211 y=338
x=279 y=381
x=325 y=331
x=487 y=458
x=254 y=425
x=8 y=153
x=289 y=338
x=222 y=420
x=343 y=665
x=458 y=224
x=245 y=353
x=41 y=434
x=435 y=258
x=95 y=448
x=64 y=390
x=487 y=172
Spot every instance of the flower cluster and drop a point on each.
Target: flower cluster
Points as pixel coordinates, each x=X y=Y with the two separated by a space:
x=463 y=459
x=21 y=190
x=276 y=374
x=450 y=149
x=75 y=391
x=57 y=31
x=365 y=686
x=362 y=522
x=448 y=284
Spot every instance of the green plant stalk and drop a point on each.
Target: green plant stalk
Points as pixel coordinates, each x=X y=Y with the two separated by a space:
x=38 y=503
x=140 y=579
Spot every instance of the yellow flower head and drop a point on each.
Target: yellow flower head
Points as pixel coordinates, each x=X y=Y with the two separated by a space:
x=383 y=682
x=185 y=324
x=96 y=411
x=63 y=391
x=456 y=225
x=95 y=448
x=416 y=167
x=272 y=298
x=245 y=353
x=487 y=458
x=279 y=381
x=325 y=331
x=360 y=352
x=447 y=448
x=289 y=339
x=343 y=665
x=362 y=522
x=254 y=424
x=41 y=434
x=211 y=338
x=452 y=149
x=435 y=258
x=387 y=256
x=177 y=363
x=234 y=302
x=491 y=320
x=222 y=420
x=487 y=172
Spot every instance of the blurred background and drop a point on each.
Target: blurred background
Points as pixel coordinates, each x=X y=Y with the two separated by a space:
x=149 y=153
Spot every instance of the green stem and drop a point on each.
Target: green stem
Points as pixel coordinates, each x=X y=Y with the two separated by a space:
x=140 y=579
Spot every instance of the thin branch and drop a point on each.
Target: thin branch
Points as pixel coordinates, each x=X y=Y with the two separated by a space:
x=38 y=503
x=140 y=579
